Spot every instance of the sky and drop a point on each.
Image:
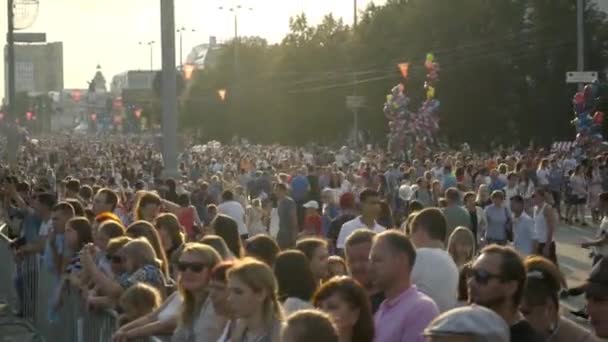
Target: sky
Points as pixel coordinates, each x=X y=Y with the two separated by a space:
x=108 y=32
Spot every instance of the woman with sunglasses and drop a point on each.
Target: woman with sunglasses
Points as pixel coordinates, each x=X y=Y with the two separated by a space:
x=254 y=301
x=541 y=307
x=198 y=320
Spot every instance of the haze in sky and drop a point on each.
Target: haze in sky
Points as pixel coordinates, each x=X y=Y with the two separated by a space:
x=107 y=32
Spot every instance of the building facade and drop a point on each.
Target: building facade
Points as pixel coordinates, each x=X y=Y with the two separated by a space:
x=38 y=67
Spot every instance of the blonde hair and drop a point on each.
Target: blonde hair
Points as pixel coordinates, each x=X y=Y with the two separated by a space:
x=138 y=300
x=259 y=277
x=141 y=252
x=461 y=235
x=115 y=244
x=208 y=256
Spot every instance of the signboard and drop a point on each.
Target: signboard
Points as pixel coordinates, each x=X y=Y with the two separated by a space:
x=581 y=76
x=30 y=37
x=354 y=102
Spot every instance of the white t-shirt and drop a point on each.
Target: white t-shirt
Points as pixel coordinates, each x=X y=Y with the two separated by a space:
x=172 y=309
x=45 y=228
x=236 y=211
x=293 y=304
x=543 y=176
x=603 y=230
x=352 y=225
x=524 y=234
x=436 y=275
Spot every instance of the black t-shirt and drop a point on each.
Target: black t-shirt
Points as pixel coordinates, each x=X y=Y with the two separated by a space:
x=522 y=331
x=336 y=225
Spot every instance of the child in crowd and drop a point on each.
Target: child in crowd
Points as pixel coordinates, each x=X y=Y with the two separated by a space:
x=138 y=301
x=336 y=266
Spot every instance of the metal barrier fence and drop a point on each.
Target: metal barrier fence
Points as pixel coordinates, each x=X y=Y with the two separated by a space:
x=73 y=321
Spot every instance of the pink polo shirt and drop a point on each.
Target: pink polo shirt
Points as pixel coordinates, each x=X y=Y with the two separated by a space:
x=403 y=319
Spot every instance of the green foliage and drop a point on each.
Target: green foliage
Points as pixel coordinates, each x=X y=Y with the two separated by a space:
x=503 y=67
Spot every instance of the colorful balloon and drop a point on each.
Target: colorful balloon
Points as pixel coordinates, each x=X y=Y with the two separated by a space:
x=579 y=98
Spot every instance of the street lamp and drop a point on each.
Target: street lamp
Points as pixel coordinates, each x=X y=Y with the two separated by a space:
x=235 y=10
x=181 y=31
x=151 y=45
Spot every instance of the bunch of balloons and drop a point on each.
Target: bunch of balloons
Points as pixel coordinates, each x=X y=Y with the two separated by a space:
x=588 y=121
x=408 y=129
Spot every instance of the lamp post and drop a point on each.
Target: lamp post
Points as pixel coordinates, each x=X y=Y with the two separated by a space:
x=151 y=45
x=181 y=31
x=235 y=10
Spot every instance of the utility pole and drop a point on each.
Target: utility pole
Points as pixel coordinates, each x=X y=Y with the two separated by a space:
x=181 y=31
x=11 y=137
x=169 y=87
x=355 y=108
x=580 y=37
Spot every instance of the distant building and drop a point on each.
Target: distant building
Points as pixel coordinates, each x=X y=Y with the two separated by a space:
x=132 y=80
x=38 y=67
x=204 y=55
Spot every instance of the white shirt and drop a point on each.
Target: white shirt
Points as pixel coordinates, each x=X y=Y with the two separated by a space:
x=543 y=176
x=235 y=210
x=524 y=234
x=540 y=224
x=510 y=192
x=352 y=225
x=45 y=228
x=436 y=275
x=172 y=309
x=293 y=304
x=603 y=230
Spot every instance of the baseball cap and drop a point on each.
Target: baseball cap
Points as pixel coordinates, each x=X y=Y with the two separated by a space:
x=480 y=322
x=311 y=205
x=597 y=283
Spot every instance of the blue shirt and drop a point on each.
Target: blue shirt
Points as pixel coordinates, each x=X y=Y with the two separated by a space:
x=48 y=259
x=299 y=188
x=449 y=181
x=496 y=184
x=497 y=222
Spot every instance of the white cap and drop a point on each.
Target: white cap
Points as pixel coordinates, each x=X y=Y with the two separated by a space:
x=311 y=205
x=405 y=192
x=484 y=324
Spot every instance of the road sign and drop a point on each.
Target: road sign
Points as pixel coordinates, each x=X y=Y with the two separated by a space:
x=581 y=76
x=30 y=37
x=354 y=102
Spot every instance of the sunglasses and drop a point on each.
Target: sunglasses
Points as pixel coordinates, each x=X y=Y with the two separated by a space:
x=195 y=267
x=482 y=277
x=117 y=259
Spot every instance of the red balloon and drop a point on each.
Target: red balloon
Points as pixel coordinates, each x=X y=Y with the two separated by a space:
x=579 y=98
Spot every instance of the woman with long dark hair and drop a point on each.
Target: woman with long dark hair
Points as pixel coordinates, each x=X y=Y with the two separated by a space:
x=345 y=300
x=295 y=288
x=227 y=228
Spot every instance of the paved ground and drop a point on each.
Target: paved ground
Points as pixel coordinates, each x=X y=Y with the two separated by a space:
x=574 y=261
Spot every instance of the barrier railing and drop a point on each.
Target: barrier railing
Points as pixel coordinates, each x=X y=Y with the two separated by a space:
x=35 y=284
x=8 y=293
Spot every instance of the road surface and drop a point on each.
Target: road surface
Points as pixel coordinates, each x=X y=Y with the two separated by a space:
x=574 y=262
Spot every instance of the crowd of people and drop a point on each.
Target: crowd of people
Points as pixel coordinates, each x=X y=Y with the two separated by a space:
x=273 y=243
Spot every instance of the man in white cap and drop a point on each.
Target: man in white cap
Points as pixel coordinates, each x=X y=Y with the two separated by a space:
x=468 y=324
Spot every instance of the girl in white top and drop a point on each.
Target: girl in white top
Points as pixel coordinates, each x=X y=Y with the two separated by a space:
x=254 y=215
x=545 y=223
x=579 y=193
x=542 y=174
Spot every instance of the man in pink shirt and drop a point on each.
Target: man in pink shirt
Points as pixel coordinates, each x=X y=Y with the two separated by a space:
x=405 y=312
